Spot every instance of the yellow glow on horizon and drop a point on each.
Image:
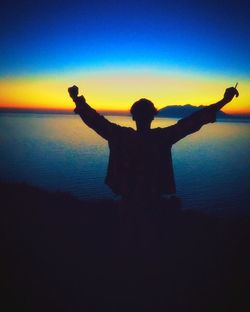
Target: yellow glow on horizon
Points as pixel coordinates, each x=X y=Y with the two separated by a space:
x=118 y=90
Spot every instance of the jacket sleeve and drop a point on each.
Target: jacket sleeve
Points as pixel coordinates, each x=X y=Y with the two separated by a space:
x=192 y=123
x=94 y=120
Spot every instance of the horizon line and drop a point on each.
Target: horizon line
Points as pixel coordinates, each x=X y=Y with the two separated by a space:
x=56 y=110
x=70 y=111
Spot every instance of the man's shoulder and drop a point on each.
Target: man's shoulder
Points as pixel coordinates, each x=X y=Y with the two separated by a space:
x=121 y=131
x=163 y=135
x=160 y=130
x=128 y=130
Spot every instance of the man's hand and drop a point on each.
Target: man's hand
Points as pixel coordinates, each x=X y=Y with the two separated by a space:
x=230 y=93
x=73 y=92
x=79 y=100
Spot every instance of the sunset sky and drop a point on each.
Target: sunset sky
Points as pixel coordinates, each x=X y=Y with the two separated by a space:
x=172 y=52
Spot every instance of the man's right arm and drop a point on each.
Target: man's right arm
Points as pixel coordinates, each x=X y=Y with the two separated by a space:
x=203 y=116
x=90 y=117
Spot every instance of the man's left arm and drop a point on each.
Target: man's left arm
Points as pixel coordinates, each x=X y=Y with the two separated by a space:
x=91 y=117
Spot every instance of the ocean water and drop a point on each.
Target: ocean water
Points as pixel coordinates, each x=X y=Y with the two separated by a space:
x=59 y=152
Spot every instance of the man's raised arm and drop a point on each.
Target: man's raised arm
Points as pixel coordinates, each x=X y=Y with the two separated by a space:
x=90 y=117
x=204 y=116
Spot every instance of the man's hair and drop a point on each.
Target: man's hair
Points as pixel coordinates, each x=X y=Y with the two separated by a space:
x=143 y=107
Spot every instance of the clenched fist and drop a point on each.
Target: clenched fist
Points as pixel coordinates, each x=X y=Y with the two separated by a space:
x=230 y=93
x=73 y=92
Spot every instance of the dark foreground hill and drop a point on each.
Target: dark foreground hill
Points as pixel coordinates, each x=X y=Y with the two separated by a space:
x=61 y=254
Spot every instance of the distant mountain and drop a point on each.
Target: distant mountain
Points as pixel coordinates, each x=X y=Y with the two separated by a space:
x=181 y=111
x=173 y=111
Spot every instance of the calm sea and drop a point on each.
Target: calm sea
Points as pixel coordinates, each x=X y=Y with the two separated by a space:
x=58 y=152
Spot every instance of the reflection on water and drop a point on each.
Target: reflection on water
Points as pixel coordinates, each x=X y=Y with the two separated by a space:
x=59 y=152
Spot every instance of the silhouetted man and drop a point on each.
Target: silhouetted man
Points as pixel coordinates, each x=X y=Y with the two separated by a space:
x=140 y=163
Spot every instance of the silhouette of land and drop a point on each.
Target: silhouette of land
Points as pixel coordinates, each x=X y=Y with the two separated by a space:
x=182 y=111
x=63 y=254
x=172 y=111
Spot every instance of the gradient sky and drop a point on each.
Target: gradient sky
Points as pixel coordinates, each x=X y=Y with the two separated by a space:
x=172 y=52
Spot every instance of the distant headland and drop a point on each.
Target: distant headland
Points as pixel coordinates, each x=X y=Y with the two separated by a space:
x=181 y=111
x=172 y=111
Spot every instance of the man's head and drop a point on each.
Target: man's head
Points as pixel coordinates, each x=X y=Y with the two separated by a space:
x=143 y=110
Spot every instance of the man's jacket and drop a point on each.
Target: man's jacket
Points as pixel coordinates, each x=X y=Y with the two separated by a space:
x=140 y=164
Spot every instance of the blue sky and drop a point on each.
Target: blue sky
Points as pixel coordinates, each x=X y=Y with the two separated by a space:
x=53 y=36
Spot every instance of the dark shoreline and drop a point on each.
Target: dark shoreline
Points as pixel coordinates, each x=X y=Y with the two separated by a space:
x=63 y=254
